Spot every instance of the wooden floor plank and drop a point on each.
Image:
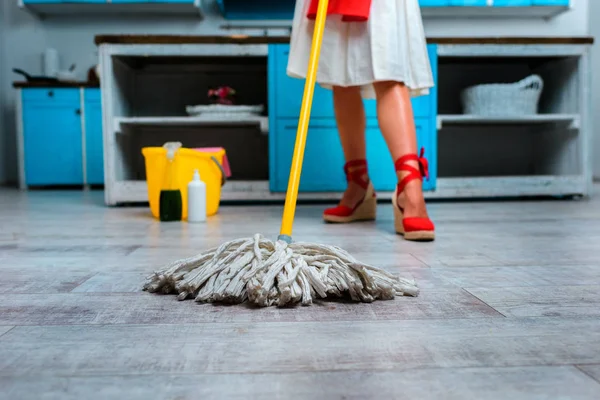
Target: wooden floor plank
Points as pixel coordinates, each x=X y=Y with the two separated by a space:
x=525 y=383
x=518 y=276
x=277 y=347
x=547 y=301
x=591 y=370
x=146 y=308
x=4 y=329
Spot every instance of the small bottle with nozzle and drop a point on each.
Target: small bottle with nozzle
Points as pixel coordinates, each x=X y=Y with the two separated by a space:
x=196 y=199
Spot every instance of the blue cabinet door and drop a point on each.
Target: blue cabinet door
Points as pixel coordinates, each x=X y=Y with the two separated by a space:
x=381 y=165
x=63 y=1
x=322 y=170
x=289 y=90
x=512 y=3
x=52 y=139
x=434 y=3
x=468 y=3
x=551 y=3
x=94 y=155
x=257 y=10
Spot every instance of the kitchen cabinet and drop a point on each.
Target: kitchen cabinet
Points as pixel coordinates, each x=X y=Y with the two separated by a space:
x=52 y=137
x=259 y=10
x=512 y=3
x=94 y=155
x=60 y=136
x=323 y=159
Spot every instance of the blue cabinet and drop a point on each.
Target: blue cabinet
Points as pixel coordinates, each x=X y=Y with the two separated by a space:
x=52 y=137
x=512 y=3
x=551 y=3
x=324 y=159
x=258 y=10
x=94 y=155
x=434 y=3
x=63 y=1
x=62 y=141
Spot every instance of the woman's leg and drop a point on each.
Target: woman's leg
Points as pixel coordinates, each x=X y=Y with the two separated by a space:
x=351 y=123
x=396 y=121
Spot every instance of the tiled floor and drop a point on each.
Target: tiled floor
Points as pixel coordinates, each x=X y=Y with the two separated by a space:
x=509 y=309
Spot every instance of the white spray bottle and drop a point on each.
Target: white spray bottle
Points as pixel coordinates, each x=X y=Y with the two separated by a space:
x=196 y=199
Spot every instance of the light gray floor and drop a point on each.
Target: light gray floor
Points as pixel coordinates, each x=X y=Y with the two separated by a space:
x=510 y=307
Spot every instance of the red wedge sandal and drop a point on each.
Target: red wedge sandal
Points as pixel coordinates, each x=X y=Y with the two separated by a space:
x=417 y=229
x=366 y=209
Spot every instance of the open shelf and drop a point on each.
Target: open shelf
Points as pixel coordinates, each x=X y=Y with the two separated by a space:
x=493 y=12
x=260 y=122
x=571 y=120
x=42 y=9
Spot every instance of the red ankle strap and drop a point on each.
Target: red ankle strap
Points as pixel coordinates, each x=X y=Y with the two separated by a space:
x=355 y=171
x=413 y=173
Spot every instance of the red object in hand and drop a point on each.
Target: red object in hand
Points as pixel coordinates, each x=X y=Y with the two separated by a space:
x=350 y=10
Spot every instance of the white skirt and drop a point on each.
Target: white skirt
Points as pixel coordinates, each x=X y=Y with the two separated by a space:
x=390 y=46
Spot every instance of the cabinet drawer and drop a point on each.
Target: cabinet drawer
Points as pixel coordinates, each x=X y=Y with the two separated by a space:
x=51 y=95
x=324 y=159
x=288 y=91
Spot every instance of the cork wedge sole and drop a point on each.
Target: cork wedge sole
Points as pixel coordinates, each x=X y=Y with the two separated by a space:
x=366 y=211
x=417 y=236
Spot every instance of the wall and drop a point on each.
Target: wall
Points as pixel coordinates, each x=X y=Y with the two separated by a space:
x=23 y=40
x=595 y=31
x=73 y=38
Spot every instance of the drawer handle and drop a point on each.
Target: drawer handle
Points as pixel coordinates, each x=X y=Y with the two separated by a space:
x=78 y=111
x=50 y=93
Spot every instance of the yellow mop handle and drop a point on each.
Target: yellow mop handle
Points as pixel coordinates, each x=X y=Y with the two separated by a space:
x=291 y=196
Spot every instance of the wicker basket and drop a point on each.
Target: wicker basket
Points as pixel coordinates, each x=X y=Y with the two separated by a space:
x=520 y=98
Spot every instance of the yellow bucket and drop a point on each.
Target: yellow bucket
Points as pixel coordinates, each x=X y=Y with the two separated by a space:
x=208 y=164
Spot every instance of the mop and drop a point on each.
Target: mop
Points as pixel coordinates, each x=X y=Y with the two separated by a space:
x=282 y=272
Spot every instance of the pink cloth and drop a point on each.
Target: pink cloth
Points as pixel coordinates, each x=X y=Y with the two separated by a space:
x=214 y=150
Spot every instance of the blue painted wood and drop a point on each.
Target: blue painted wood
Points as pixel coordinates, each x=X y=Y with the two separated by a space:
x=289 y=90
x=565 y=3
x=434 y=3
x=512 y=3
x=63 y=1
x=94 y=155
x=468 y=3
x=259 y=10
x=52 y=140
x=381 y=165
x=324 y=157
x=51 y=95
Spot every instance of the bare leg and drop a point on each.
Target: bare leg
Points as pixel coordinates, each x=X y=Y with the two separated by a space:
x=351 y=123
x=396 y=121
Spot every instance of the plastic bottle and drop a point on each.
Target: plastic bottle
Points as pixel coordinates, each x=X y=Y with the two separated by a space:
x=170 y=202
x=196 y=199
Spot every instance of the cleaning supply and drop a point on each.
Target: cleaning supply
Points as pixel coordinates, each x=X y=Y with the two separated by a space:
x=266 y=272
x=196 y=199
x=210 y=164
x=170 y=203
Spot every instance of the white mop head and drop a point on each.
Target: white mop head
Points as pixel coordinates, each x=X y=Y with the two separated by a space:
x=268 y=273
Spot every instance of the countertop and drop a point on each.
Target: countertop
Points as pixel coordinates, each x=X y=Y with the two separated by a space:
x=244 y=39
